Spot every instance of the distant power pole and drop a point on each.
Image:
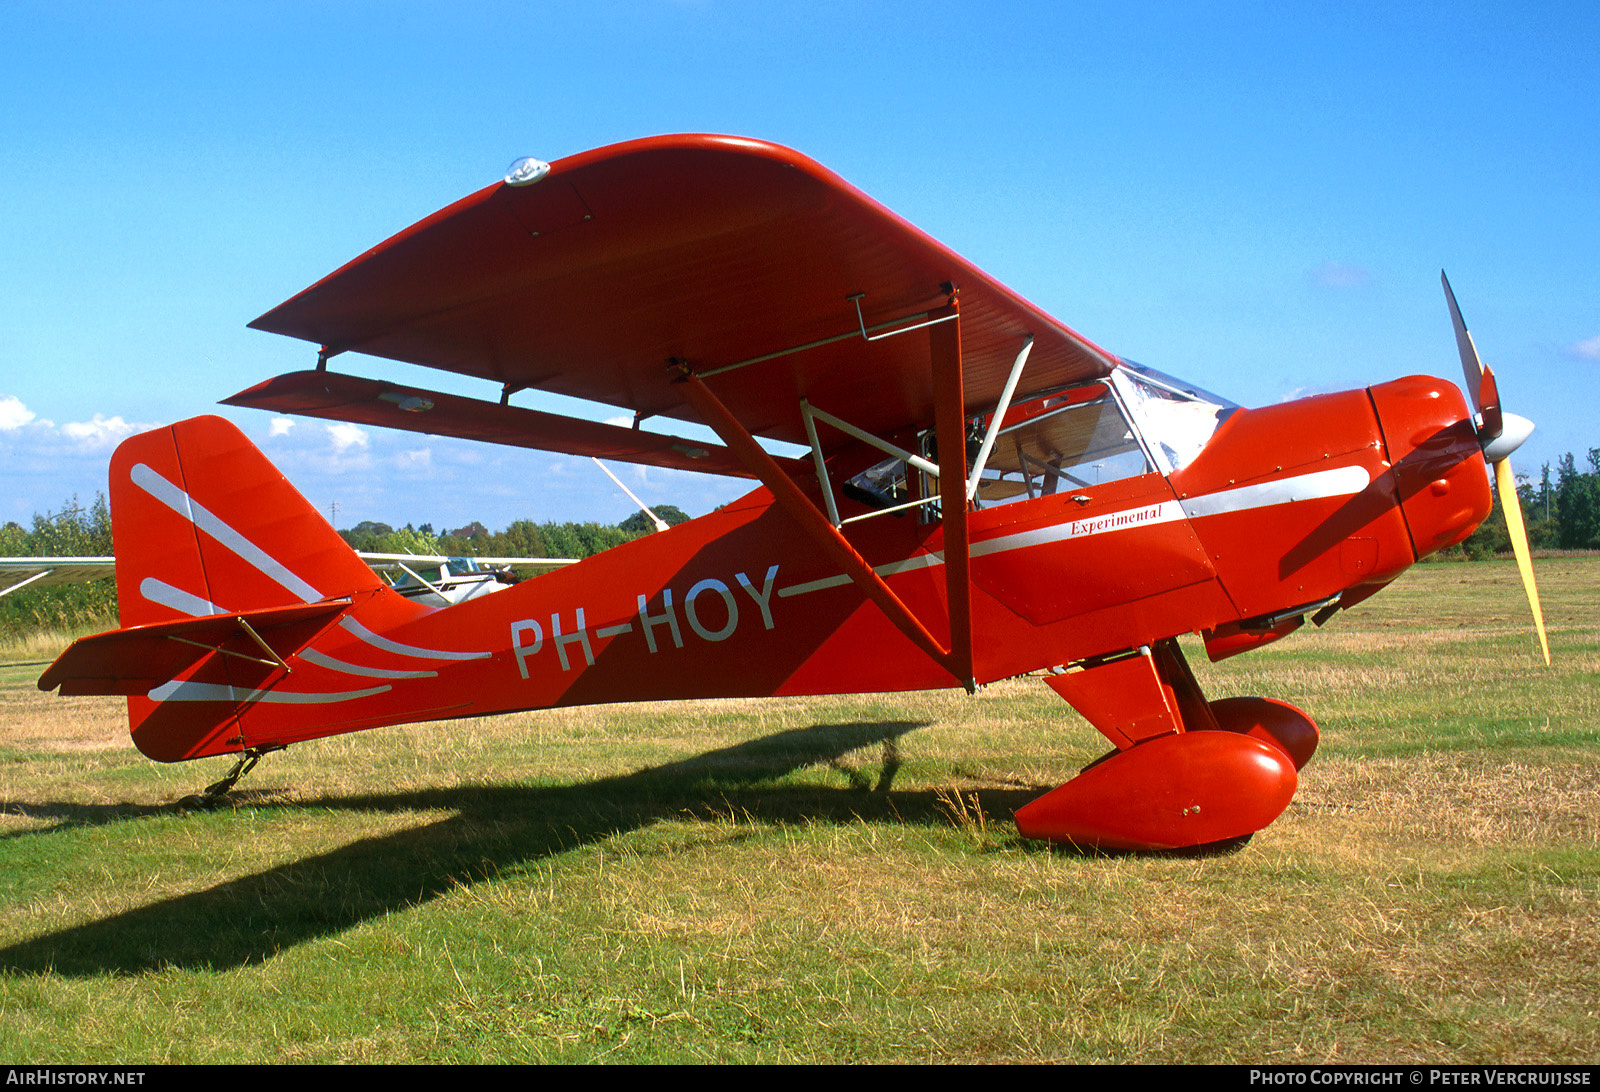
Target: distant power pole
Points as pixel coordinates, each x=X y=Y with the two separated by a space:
x=333 y=513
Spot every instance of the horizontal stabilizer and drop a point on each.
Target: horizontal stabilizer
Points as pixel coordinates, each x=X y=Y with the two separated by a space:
x=138 y=659
x=338 y=397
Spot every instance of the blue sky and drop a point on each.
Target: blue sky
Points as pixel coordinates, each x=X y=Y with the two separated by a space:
x=1257 y=197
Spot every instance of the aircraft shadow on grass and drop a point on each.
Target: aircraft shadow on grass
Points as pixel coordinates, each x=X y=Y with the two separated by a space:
x=253 y=918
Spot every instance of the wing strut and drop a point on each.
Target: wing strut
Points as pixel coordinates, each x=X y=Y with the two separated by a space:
x=950 y=429
x=945 y=343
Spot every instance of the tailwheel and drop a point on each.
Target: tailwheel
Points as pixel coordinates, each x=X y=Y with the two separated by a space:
x=215 y=792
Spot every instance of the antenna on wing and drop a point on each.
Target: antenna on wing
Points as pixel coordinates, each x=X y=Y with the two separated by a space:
x=661 y=524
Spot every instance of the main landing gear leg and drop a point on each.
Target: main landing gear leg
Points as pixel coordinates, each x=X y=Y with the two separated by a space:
x=1187 y=773
x=214 y=793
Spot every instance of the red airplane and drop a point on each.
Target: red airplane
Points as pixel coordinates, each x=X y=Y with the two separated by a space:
x=988 y=494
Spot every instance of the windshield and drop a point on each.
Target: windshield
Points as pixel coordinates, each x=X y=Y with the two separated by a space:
x=1176 y=418
x=414 y=575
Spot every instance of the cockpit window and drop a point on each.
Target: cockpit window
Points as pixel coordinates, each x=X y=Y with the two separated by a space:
x=1176 y=418
x=414 y=575
x=882 y=485
x=1070 y=439
x=1066 y=439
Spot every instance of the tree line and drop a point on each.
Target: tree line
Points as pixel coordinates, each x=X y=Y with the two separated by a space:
x=523 y=538
x=75 y=531
x=1561 y=511
x=79 y=531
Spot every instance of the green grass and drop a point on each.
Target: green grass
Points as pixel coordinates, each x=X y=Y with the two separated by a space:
x=834 y=879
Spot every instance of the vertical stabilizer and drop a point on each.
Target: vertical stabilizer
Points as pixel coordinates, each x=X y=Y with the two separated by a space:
x=204 y=524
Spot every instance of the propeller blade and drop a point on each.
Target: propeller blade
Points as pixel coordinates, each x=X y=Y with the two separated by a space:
x=1471 y=365
x=1497 y=445
x=1506 y=483
x=1481 y=386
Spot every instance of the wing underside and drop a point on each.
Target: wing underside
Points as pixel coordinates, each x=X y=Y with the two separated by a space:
x=42 y=572
x=341 y=397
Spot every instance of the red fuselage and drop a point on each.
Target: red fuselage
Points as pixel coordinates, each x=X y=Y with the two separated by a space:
x=1286 y=507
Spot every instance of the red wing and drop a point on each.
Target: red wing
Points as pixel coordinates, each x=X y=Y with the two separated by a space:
x=710 y=250
x=340 y=397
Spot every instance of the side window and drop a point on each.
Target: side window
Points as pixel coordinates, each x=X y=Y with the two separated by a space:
x=1067 y=439
x=881 y=485
x=1064 y=440
x=1070 y=439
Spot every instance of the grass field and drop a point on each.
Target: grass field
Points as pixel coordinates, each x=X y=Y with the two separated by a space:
x=835 y=879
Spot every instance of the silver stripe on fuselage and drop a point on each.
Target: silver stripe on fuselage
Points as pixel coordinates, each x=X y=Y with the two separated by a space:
x=322 y=659
x=1128 y=519
x=198 y=691
x=377 y=640
x=921 y=561
x=1320 y=484
x=1343 y=481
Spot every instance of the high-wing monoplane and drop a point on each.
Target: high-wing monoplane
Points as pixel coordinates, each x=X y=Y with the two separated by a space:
x=987 y=493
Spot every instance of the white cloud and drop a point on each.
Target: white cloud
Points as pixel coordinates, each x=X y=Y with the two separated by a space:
x=41 y=462
x=414 y=460
x=1340 y=275
x=346 y=436
x=1587 y=349
x=280 y=426
x=100 y=432
x=13 y=414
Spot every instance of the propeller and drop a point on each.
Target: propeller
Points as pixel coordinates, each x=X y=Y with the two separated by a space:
x=1499 y=434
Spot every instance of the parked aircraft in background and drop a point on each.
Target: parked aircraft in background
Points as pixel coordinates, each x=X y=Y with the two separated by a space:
x=435 y=581
x=17 y=573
